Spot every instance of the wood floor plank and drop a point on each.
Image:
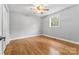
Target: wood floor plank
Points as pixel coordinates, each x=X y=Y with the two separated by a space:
x=40 y=45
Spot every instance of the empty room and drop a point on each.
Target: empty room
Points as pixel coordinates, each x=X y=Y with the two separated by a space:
x=39 y=29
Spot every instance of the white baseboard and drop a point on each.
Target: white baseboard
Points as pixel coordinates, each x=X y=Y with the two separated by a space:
x=8 y=40
x=25 y=36
x=62 y=39
x=44 y=35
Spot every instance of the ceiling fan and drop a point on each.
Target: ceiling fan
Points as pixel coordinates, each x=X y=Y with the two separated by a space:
x=40 y=9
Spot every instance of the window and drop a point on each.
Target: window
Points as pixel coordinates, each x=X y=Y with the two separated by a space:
x=54 y=21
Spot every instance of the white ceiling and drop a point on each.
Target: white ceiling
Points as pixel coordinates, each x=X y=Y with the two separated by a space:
x=26 y=8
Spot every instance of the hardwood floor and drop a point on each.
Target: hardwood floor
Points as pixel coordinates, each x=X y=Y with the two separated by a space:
x=41 y=45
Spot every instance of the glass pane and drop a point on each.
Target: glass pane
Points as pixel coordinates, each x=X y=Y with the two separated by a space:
x=55 y=21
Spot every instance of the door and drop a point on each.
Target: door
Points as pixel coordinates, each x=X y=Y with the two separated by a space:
x=0 y=20
x=4 y=26
x=0 y=28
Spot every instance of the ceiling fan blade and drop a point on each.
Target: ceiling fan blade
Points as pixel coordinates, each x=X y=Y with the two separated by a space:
x=46 y=9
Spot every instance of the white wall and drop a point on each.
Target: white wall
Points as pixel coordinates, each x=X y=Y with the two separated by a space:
x=69 y=28
x=24 y=25
x=0 y=20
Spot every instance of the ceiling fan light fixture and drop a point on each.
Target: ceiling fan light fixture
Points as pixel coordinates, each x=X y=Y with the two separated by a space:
x=40 y=9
